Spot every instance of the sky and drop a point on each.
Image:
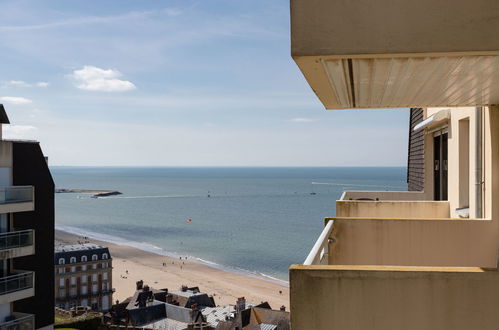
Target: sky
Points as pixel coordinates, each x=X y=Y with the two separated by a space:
x=175 y=83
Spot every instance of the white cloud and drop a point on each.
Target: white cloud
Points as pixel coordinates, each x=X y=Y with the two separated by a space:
x=92 y=78
x=302 y=120
x=19 y=132
x=15 y=100
x=19 y=83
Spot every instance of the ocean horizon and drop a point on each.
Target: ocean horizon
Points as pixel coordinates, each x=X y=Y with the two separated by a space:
x=251 y=220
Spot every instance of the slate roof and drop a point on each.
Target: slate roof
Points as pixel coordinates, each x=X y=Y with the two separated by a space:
x=214 y=315
x=188 y=298
x=79 y=250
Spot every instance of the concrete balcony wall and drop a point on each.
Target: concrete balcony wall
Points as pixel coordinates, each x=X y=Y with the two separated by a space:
x=384 y=195
x=393 y=298
x=393 y=209
x=413 y=242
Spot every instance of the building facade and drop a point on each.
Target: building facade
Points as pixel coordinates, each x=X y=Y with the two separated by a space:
x=83 y=276
x=26 y=235
x=426 y=258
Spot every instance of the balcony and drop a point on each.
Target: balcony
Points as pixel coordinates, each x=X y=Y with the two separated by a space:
x=19 y=321
x=393 y=298
x=411 y=59
x=397 y=254
x=17 y=244
x=17 y=199
x=17 y=286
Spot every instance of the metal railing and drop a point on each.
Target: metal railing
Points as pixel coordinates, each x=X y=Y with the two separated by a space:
x=319 y=253
x=26 y=322
x=16 y=194
x=16 y=282
x=16 y=239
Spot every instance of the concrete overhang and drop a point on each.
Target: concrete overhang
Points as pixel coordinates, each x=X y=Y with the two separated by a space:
x=390 y=54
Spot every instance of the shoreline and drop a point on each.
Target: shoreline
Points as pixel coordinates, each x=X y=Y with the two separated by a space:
x=150 y=248
x=169 y=271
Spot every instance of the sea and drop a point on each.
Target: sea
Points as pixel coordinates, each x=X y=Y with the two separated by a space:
x=252 y=220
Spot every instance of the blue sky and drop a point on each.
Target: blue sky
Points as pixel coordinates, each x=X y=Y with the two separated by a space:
x=175 y=83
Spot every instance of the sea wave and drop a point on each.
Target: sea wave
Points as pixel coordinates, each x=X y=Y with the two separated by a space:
x=160 y=251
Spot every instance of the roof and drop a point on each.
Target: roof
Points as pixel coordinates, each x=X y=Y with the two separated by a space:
x=78 y=251
x=178 y=313
x=166 y=323
x=151 y=313
x=214 y=315
x=3 y=116
x=188 y=298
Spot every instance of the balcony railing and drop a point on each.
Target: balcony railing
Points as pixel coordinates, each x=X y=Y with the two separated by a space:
x=17 y=282
x=319 y=253
x=16 y=194
x=16 y=239
x=20 y=322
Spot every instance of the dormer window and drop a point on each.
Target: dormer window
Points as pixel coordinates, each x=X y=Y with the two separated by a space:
x=104 y=256
x=72 y=260
x=61 y=261
x=84 y=259
x=94 y=257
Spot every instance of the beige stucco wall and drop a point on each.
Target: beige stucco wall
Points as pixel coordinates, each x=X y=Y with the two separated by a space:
x=414 y=242
x=393 y=209
x=388 y=298
x=489 y=164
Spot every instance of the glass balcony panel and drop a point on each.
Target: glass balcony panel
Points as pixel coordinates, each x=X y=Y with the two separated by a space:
x=26 y=322
x=16 y=239
x=16 y=282
x=16 y=194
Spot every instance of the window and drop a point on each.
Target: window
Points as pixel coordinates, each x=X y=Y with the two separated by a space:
x=104 y=265
x=94 y=257
x=84 y=289
x=105 y=275
x=73 y=269
x=61 y=282
x=94 y=277
x=94 y=288
x=84 y=259
x=61 y=261
x=104 y=256
x=84 y=279
x=94 y=266
x=72 y=260
x=61 y=270
x=104 y=286
x=84 y=267
x=73 y=280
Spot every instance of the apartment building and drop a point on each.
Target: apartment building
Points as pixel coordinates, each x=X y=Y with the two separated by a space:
x=83 y=276
x=26 y=235
x=425 y=258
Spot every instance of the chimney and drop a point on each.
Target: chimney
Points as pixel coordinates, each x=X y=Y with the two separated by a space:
x=240 y=304
x=183 y=288
x=283 y=308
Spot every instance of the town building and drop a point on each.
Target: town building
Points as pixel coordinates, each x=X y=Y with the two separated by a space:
x=26 y=235
x=188 y=308
x=83 y=276
x=426 y=258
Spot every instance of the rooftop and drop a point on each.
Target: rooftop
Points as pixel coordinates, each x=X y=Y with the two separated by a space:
x=77 y=247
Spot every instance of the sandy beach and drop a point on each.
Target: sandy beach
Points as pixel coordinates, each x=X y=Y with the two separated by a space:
x=165 y=272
